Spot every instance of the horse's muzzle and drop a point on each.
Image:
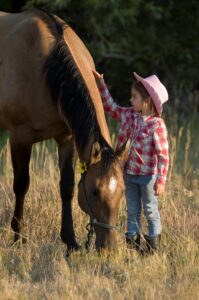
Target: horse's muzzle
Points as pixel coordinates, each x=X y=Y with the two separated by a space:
x=107 y=241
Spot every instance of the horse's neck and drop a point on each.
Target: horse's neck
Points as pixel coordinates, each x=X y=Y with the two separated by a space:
x=85 y=65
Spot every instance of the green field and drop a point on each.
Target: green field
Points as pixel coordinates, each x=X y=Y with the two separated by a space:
x=39 y=268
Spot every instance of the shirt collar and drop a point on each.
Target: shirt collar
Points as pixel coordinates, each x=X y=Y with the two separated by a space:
x=146 y=118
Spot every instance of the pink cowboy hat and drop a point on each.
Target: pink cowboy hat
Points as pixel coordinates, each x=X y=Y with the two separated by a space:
x=156 y=90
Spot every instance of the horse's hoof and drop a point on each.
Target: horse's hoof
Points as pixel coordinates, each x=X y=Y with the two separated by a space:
x=73 y=248
x=16 y=243
x=24 y=240
x=19 y=239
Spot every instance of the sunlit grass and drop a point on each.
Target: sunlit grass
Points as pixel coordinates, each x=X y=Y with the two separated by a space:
x=40 y=269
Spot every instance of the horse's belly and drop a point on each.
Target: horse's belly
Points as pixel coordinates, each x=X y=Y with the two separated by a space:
x=52 y=131
x=11 y=114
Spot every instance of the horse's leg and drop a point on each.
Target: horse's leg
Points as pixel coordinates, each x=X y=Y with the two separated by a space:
x=20 y=154
x=66 y=164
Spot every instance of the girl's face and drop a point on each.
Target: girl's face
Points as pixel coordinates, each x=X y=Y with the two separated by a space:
x=136 y=100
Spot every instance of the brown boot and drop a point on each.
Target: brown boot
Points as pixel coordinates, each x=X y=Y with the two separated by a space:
x=133 y=241
x=153 y=243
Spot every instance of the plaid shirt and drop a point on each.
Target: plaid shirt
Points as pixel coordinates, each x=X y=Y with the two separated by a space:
x=149 y=146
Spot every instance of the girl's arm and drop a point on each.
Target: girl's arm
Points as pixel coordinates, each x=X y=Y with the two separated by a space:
x=113 y=109
x=162 y=150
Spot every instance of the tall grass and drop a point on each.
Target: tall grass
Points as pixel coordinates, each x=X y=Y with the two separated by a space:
x=39 y=269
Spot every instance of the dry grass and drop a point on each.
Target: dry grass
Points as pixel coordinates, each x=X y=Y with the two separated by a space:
x=40 y=270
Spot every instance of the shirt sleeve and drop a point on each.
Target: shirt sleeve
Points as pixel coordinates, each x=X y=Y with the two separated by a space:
x=112 y=108
x=162 y=151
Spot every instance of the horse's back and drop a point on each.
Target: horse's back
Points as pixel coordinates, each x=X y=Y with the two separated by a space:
x=11 y=22
x=24 y=46
x=22 y=32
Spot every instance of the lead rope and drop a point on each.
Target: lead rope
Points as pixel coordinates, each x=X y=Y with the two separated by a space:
x=89 y=227
x=91 y=231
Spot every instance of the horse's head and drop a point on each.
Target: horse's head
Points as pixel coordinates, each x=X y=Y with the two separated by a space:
x=100 y=189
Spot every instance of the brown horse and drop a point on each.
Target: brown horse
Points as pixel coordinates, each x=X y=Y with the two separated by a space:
x=47 y=90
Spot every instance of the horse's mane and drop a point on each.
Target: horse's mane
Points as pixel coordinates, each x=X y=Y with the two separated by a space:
x=72 y=97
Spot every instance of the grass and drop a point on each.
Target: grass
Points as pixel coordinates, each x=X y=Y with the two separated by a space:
x=40 y=269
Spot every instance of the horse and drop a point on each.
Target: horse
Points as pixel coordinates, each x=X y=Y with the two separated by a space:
x=48 y=91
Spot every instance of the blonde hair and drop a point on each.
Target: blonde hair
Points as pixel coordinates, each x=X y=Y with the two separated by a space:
x=146 y=98
x=149 y=106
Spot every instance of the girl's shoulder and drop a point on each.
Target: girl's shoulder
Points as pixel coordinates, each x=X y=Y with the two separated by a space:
x=128 y=112
x=156 y=123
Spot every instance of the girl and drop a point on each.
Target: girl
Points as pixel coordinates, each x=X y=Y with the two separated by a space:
x=147 y=164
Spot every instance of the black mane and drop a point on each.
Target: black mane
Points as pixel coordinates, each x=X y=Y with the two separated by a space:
x=72 y=97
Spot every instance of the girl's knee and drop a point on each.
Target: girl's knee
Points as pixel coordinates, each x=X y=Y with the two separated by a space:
x=151 y=214
x=134 y=213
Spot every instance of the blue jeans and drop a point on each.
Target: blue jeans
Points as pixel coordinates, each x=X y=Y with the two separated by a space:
x=140 y=193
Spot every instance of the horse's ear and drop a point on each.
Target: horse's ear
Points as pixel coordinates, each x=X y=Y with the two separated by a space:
x=123 y=152
x=95 y=153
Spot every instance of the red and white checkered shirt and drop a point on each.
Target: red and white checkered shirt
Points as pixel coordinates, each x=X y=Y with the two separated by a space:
x=149 y=145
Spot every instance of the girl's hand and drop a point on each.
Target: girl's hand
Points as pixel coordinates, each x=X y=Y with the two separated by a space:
x=98 y=77
x=159 y=189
